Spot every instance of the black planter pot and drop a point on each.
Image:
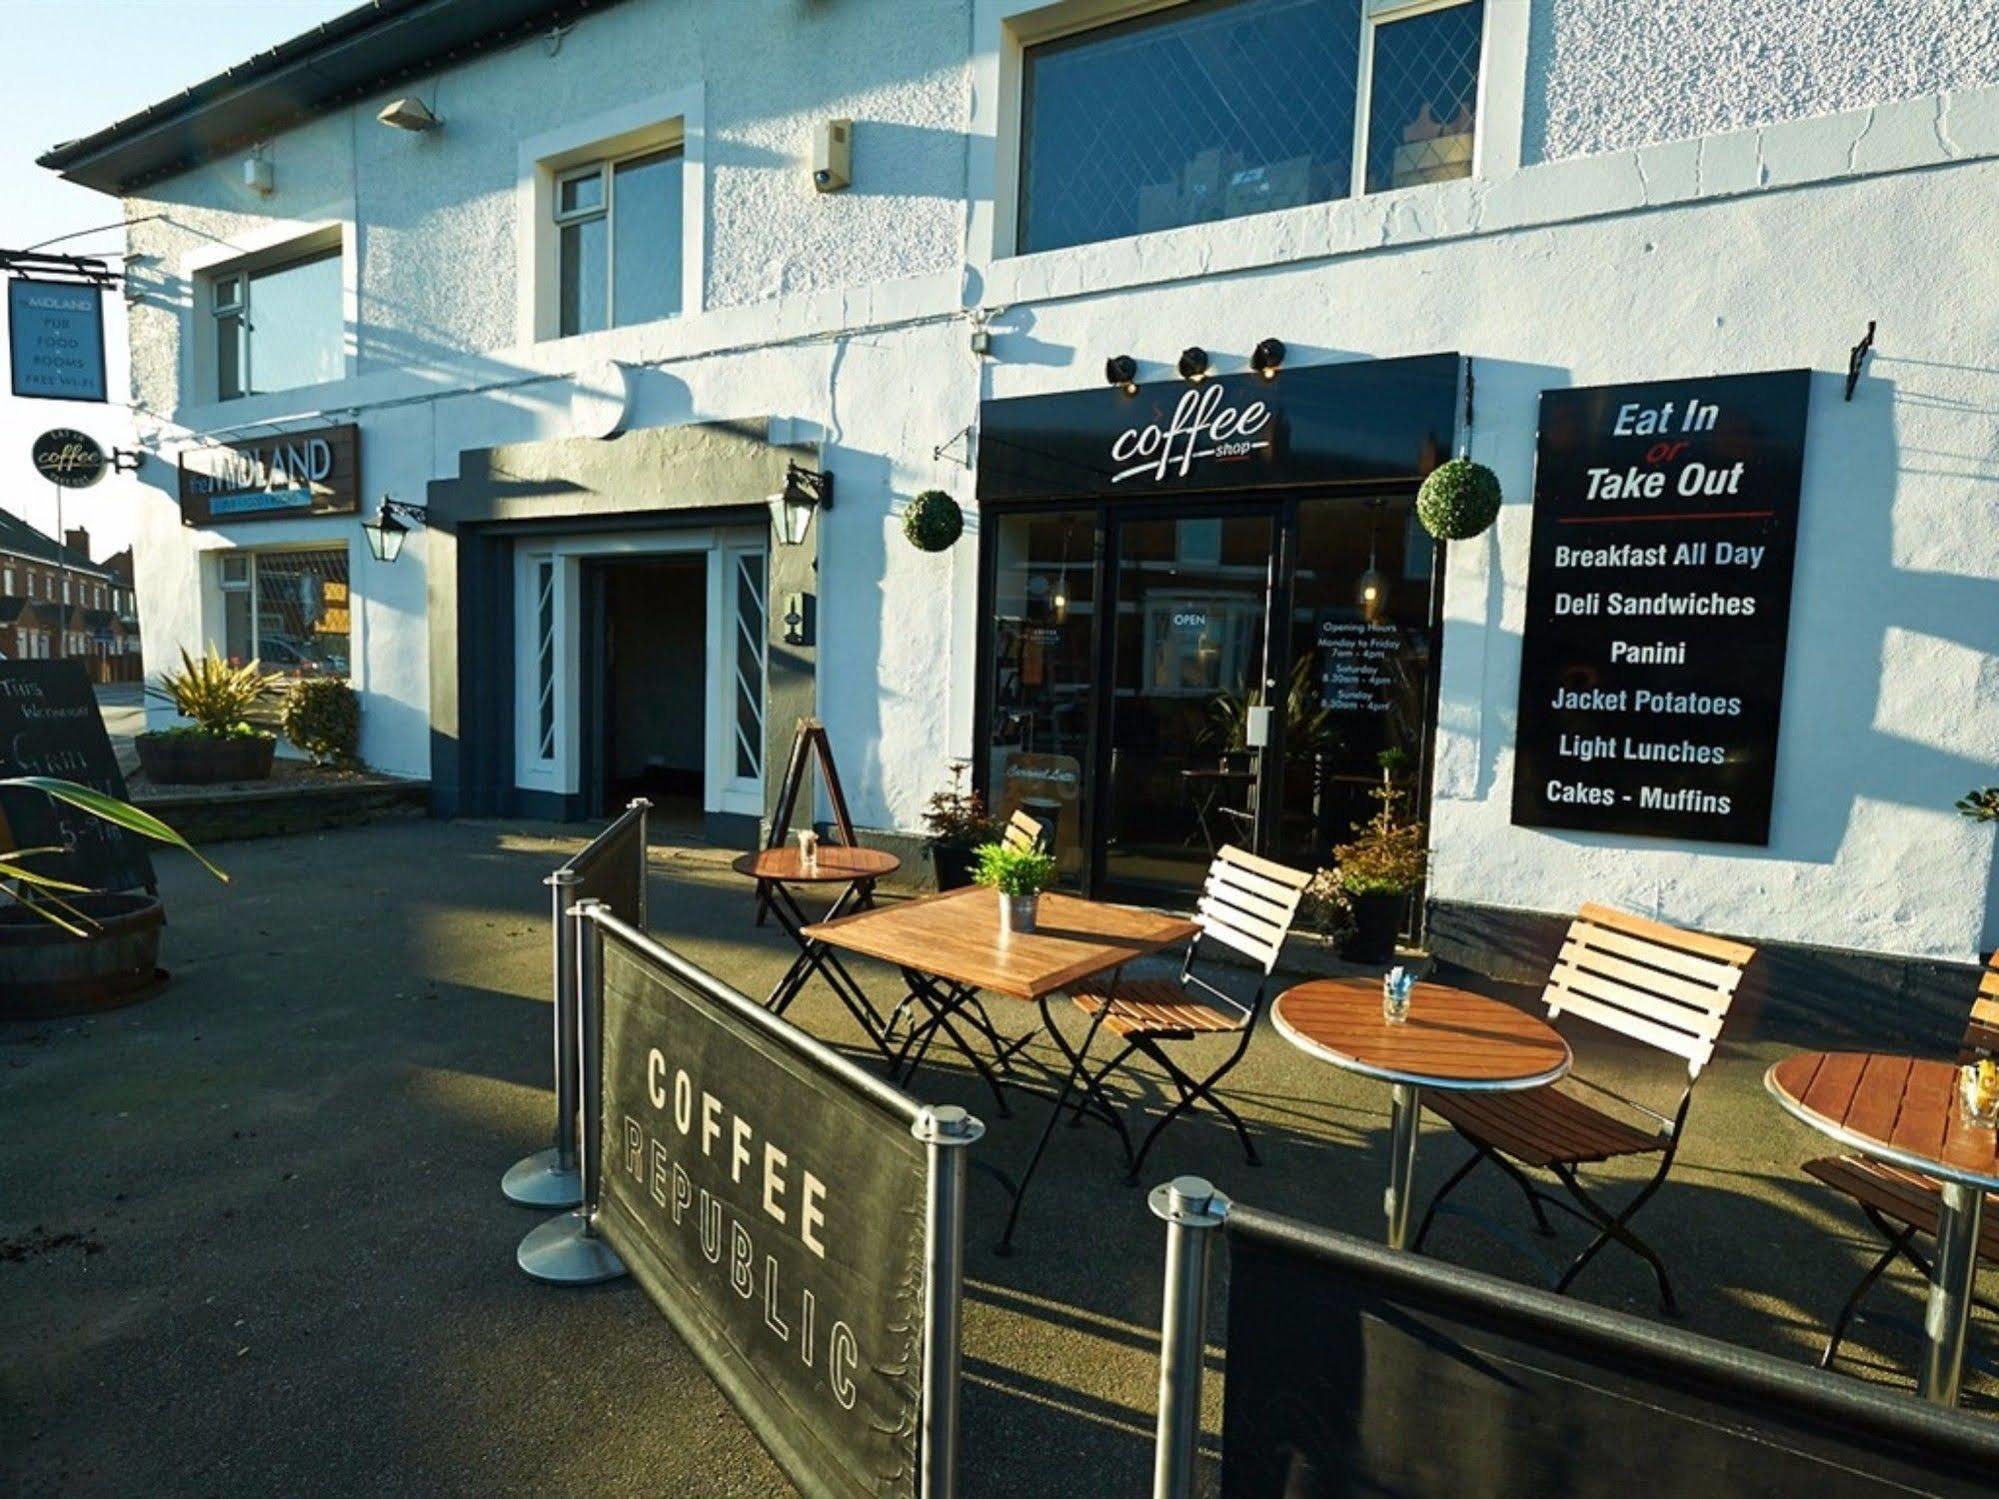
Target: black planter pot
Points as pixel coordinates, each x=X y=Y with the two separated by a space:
x=1377 y=922
x=46 y=971
x=201 y=760
x=954 y=865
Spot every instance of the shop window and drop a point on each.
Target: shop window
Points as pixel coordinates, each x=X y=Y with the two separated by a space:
x=289 y=610
x=1219 y=109
x=618 y=242
x=751 y=615
x=278 y=327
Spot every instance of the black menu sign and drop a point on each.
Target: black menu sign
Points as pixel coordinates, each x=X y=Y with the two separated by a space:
x=50 y=726
x=1658 y=605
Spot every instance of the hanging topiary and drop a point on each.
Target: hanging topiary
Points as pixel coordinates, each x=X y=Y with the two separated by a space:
x=1459 y=499
x=933 y=521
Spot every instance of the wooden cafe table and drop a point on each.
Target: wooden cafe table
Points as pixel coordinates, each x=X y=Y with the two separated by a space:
x=1905 y=1111
x=1452 y=1040
x=853 y=868
x=949 y=948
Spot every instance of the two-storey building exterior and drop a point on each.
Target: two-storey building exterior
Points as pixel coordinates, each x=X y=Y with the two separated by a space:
x=56 y=602
x=612 y=290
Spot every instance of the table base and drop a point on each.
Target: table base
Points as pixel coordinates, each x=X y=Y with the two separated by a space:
x=1953 y=1275
x=816 y=957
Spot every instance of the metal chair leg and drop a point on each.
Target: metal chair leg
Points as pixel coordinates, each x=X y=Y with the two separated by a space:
x=1094 y=1090
x=1479 y=1153
x=1897 y=1245
x=1616 y=1226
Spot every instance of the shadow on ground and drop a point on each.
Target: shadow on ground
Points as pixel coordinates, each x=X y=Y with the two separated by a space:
x=251 y=1239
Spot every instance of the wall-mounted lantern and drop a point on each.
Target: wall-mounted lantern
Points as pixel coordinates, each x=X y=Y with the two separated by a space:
x=805 y=491
x=391 y=524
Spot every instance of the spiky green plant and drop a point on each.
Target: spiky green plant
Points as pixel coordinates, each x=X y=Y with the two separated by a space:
x=218 y=696
x=43 y=893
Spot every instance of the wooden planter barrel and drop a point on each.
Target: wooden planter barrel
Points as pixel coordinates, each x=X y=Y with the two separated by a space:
x=46 y=971
x=198 y=760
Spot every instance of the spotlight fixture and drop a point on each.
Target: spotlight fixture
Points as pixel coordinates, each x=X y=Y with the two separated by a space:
x=1121 y=370
x=1194 y=364
x=410 y=114
x=1267 y=358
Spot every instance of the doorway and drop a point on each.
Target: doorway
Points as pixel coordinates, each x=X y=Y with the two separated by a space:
x=651 y=713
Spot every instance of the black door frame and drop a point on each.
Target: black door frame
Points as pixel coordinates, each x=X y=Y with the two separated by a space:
x=1106 y=513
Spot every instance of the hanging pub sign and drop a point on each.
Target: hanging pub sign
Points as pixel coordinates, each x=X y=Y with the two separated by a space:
x=272 y=477
x=1658 y=606
x=55 y=339
x=68 y=458
x=777 y=1216
x=1364 y=421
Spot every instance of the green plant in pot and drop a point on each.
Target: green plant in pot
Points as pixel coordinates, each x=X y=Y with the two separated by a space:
x=322 y=716
x=1379 y=868
x=1020 y=875
x=957 y=822
x=220 y=743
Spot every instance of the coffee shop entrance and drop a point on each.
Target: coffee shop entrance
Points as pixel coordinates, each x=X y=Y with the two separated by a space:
x=1159 y=567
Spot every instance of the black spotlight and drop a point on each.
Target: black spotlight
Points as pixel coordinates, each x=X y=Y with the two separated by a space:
x=1194 y=364
x=1121 y=370
x=1267 y=358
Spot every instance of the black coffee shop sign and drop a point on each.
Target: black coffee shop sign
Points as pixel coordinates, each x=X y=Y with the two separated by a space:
x=317 y=472
x=1658 y=606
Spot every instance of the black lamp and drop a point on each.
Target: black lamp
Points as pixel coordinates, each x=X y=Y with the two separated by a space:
x=1121 y=370
x=805 y=490
x=1267 y=358
x=1194 y=364
x=391 y=524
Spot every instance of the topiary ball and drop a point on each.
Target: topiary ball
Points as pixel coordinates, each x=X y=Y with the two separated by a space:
x=933 y=521
x=1459 y=499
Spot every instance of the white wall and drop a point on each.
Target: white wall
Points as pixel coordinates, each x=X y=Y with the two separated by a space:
x=1759 y=249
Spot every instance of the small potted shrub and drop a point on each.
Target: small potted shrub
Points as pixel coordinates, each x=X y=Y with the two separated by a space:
x=958 y=823
x=1020 y=875
x=1379 y=869
x=323 y=717
x=221 y=744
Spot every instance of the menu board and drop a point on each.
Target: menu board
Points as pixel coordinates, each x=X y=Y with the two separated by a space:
x=1658 y=606
x=50 y=726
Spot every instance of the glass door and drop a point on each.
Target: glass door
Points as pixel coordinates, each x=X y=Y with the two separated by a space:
x=1190 y=604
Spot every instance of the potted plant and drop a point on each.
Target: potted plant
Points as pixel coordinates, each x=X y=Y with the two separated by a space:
x=1379 y=869
x=323 y=717
x=1020 y=875
x=66 y=949
x=220 y=744
x=958 y=823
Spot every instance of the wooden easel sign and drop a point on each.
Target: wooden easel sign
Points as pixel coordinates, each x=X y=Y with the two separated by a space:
x=809 y=742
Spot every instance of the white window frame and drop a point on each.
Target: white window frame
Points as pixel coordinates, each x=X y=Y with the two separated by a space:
x=639 y=128
x=1016 y=26
x=561 y=772
x=247 y=583
x=276 y=243
x=605 y=169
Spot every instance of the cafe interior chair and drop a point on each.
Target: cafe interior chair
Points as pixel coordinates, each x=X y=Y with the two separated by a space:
x=1024 y=834
x=1902 y=1204
x=1660 y=985
x=1247 y=904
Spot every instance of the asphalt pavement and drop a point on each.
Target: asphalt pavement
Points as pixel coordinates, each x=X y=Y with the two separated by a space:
x=252 y=1242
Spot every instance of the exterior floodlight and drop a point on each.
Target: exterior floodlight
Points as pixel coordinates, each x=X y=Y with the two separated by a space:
x=391 y=524
x=409 y=114
x=1194 y=364
x=1121 y=370
x=1267 y=358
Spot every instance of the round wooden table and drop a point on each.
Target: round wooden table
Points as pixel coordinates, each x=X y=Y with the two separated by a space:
x=857 y=869
x=1451 y=1039
x=1904 y=1111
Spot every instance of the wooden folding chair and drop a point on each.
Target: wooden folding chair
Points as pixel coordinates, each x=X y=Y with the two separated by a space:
x=1902 y=1204
x=1654 y=983
x=1024 y=834
x=1246 y=904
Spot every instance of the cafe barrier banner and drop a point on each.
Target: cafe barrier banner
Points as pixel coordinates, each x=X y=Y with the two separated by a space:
x=1356 y=1370
x=775 y=1210
x=613 y=868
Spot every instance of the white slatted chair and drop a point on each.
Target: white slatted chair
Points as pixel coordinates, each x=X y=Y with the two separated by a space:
x=1246 y=905
x=1657 y=984
x=1023 y=834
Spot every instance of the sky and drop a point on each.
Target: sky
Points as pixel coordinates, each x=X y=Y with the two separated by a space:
x=72 y=67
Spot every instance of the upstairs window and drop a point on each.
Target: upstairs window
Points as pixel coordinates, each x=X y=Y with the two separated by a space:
x=1218 y=109
x=618 y=242
x=278 y=327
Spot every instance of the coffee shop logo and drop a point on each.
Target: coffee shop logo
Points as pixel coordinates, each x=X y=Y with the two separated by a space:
x=69 y=458
x=1202 y=426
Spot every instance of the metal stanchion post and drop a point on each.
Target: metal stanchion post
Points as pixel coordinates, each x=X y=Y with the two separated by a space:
x=643 y=807
x=946 y=1130
x=549 y=1178
x=1191 y=1207
x=566 y=1250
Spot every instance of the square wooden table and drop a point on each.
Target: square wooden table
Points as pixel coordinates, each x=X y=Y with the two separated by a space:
x=949 y=948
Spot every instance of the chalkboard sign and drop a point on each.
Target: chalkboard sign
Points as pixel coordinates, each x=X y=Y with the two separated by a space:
x=777 y=1217
x=1658 y=606
x=50 y=726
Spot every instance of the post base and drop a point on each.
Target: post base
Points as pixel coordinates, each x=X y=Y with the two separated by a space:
x=539 y=1181
x=563 y=1252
